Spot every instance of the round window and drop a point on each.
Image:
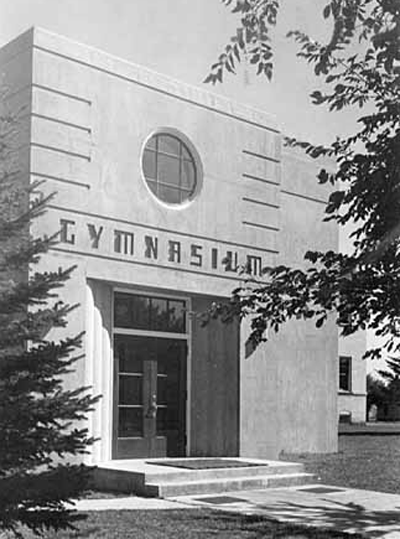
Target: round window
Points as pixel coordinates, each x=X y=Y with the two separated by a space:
x=169 y=168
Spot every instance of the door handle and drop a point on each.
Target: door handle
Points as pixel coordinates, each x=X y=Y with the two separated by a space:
x=152 y=409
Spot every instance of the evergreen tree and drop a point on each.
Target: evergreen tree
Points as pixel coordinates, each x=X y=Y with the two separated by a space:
x=41 y=430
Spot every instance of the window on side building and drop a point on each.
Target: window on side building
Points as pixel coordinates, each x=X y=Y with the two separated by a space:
x=345 y=373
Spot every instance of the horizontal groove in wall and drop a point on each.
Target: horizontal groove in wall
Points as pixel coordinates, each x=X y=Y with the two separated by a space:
x=61 y=180
x=261 y=156
x=60 y=92
x=306 y=197
x=260 y=202
x=60 y=150
x=258 y=225
x=158 y=90
x=259 y=179
x=62 y=122
x=160 y=229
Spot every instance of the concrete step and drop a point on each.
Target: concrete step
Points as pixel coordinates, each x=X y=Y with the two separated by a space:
x=174 y=489
x=172 y=475
x=114 y=480
x=149 y=478
x=132 y=475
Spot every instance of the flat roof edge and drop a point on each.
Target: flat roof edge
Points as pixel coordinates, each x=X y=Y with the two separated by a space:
x=100 y=60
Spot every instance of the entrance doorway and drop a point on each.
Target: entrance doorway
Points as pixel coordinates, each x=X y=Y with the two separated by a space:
x=150 y=376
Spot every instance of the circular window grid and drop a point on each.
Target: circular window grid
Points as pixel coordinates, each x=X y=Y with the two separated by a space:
x=171 y=168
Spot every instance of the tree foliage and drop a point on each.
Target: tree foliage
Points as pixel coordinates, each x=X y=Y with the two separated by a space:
x=360 y=67
x=251 y=39
x=40 y=427
x=392 y=372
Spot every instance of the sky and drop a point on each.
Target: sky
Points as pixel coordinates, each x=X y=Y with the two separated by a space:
x=182 y=38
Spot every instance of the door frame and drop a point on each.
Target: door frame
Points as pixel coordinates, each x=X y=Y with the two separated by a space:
x=153 y=292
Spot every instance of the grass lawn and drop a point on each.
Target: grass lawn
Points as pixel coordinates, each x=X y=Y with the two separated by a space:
x=367 y=462
x=185 y=524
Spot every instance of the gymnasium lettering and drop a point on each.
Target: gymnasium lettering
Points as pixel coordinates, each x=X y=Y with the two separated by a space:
x=159 y=248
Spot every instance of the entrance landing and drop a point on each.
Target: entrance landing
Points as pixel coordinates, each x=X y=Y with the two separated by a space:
x=153 y=478
x=205 y=464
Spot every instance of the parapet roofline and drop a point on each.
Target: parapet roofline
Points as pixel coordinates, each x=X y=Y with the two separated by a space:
x=61 y=46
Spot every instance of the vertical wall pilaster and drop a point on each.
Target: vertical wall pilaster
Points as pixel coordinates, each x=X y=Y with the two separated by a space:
x=99 y=366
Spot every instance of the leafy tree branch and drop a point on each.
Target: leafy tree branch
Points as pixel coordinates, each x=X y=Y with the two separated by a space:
x=360 y=66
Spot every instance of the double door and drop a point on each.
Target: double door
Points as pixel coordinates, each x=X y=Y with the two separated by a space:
x=149 y=396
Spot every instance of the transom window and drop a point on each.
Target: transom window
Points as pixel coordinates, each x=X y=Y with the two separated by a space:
x=133 y=311
x=169 y=168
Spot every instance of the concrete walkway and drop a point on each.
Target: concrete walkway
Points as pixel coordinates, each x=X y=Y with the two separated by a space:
x=130 y=503
x=381 y=428
x=373 y=514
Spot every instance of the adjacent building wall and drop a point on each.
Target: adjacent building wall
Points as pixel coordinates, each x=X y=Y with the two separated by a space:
x=352 y=404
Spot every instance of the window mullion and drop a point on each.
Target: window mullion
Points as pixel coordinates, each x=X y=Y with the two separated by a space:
x=156 y=165
x=180 y=171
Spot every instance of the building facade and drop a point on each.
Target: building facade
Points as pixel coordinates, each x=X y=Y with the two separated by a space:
x=163 y=192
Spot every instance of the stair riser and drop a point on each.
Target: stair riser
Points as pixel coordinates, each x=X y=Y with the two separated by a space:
x=188 y=489
x=226 y=473
x=118 y=481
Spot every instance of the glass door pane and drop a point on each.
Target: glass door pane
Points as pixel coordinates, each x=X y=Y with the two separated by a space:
x=130 y=354
x=171 y=393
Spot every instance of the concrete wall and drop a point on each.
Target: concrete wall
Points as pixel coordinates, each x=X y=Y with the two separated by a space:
x=15 y=108
x=288 y=391
x=91 y=115
x=214 y=406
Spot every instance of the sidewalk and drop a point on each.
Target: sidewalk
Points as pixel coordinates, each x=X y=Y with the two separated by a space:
x=130 y=503
x=373 y=514
x=381 y=428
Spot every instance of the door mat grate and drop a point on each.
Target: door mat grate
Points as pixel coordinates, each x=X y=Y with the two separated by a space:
x=204 y=464
x=220 y=500
x=320 y=490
